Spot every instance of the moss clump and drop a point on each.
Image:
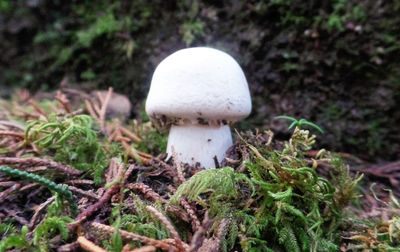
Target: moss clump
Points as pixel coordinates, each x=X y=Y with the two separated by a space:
x=48 y=228
x=218 y=188
x=279 y=203
x=70 y=140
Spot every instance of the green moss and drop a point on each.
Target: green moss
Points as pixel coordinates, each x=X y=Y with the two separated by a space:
x=15 y=240
x=293 y=209
x=48 y=229
x=71 y=140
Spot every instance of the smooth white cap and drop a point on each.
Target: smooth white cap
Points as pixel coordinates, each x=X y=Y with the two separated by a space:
x=199 y=83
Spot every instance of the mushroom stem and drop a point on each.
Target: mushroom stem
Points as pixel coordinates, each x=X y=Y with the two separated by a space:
x=199 y=143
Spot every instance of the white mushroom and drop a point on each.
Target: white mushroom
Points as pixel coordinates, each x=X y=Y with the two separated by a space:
x=200 y=91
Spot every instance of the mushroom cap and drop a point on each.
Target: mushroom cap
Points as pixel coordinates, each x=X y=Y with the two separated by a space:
x=199 y=83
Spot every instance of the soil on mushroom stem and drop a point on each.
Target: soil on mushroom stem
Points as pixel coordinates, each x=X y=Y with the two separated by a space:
x=178 y=205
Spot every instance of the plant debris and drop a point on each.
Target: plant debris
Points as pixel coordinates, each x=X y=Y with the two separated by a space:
x=71 y=178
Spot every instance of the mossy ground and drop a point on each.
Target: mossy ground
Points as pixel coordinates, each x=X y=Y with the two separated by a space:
x=268 y=195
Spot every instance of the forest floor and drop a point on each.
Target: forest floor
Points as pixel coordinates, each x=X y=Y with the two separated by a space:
x=79 y=175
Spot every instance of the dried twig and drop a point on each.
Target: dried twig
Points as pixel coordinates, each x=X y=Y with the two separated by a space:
x=83 y=192
x=128 y=172
x=213 y=244
x=91 y=111
x=80 y=182
x=66 y=169
x=63 y=100
x=123 y=139
x=4 y=142
x=28 y=187
x=88 y=245
x=7 y=183
x=4 y=194
x=36 y=169
x=74 y=246
x=112 y=136
x=150 y=194
x=12 y=124
x=162 y=244
x=37 y=108
x=147 y=191
x=171 y=189
x=192 y=214
x=16 y=145
x=15 y=215
x=20 y=112
x=39 y=209
x=130 y=134
x=144 y=249
x=133 y=153
x=12 y=133
x=106 y=196
x=102 y=201
x=199 y=235
x=390 y=171
x=169 y=227
x=221 y=232
x=104 y=109
x=76 y=112
x=178 y=166
x=97 y=109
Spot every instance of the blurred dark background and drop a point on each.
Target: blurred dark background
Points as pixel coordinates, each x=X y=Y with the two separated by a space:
x=335 y=63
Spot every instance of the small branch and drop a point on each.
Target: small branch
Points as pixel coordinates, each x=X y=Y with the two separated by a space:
x=102 y=201
x=192 y=214
x=106 y=196
x=128 y=173
x=130 y=134
x=66 y=169
x=63 y=100
x=29 y=186
x=145 y=155
x=83 y=192
x=133 y=153
x=104 y=109
x=91 y=111
x=147 y=191
x=199 y=235
x=7 y=183
x=12 y=133
x=76 y=112
x=178 y=166
x=162 y=244
x=112 y=136
x=88 y=245
x=36 y=169
x=80 y=182
x=39 y=209
x=97 y=109
x=150 y=194
x=221 y=232
x=74 y=246
x=12 y=124
x=124 y=139
x=37 y=108
x=169 y=227
x=18 y=218
x=144 y=249
x=4 y=194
